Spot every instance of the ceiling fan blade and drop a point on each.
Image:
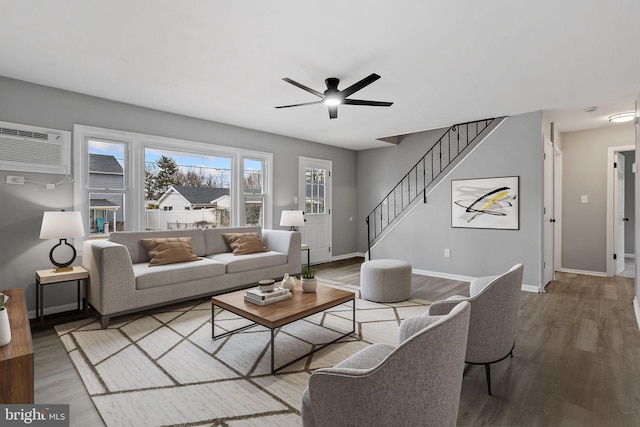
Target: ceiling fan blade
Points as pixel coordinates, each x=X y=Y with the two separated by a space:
x=370 y=103
x=298 y=105
x=333 y=112
x=303 y=87
x=359 y=85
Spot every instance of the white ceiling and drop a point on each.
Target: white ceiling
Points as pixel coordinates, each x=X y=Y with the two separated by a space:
x=441 y=62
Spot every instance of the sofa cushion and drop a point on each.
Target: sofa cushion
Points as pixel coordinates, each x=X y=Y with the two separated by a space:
x=244 y=243
x=131 y=239
x=169 y=250
x=170 y=274
x=238 y=264
x=215 y=243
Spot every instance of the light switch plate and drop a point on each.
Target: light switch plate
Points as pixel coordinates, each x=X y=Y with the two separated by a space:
x=584 y=199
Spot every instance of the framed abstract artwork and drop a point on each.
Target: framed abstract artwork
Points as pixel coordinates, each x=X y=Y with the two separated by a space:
x=486 y=203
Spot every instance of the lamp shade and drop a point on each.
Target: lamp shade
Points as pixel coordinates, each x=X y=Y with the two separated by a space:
x=61 y=225
x=291 y=219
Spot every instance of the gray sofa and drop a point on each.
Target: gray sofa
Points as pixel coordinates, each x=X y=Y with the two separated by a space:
x=121 y=281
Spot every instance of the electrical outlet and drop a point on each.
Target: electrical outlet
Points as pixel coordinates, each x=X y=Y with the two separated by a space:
x=447 y=253
x=18 y=180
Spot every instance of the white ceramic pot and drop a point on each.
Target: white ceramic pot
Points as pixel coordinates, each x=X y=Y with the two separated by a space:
x=309 y=285
x=5 y=328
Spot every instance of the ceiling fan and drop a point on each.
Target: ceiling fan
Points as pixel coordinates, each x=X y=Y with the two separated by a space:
x=333 y=97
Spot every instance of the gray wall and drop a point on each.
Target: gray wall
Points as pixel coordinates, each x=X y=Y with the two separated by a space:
x=514 y=148
x=22 y=206
x=584 y=172
x=629 y=203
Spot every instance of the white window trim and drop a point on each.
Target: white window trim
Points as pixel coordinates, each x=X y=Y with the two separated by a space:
x=135 y=145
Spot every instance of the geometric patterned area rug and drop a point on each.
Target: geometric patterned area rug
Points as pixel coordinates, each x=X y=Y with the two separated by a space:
x=161 y=367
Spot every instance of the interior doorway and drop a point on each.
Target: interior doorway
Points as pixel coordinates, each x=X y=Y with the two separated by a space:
x=552 y=212
x=621 y=211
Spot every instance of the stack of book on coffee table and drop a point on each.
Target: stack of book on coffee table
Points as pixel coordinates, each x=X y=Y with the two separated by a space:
x=258 y=297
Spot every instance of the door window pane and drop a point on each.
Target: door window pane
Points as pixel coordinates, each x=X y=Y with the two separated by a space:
x=315 y=190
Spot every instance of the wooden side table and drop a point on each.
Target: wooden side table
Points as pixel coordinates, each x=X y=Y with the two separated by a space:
x=16 y=358
x=48 y=277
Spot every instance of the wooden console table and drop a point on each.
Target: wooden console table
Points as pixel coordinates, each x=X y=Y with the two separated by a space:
x=16 y=358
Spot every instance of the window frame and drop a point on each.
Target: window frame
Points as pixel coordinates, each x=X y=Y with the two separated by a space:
x=135 y=146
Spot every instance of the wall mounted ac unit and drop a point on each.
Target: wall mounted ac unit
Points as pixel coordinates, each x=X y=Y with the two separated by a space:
x=33 y=149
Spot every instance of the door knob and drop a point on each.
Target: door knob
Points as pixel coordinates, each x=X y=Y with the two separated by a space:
x=552 y=220
x=625 y=219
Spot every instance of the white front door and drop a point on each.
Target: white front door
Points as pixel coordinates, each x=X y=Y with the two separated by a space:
x=618 y=214
x=315 y=202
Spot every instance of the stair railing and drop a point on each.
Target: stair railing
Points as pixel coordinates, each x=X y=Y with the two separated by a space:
x=414 y=184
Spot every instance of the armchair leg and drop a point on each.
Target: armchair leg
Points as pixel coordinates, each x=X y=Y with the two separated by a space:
x=487 y=369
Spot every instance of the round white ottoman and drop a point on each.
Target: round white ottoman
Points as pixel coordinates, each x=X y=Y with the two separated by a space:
x=385 y=280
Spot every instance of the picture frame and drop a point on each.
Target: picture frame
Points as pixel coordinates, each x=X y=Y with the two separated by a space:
x=490 y=203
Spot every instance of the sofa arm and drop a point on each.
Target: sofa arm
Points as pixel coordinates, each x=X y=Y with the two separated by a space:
x=111 y=278
x=286 y=242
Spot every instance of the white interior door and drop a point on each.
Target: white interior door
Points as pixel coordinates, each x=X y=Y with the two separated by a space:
x=618 y=213
x=315 y=202
x=549 y=220
x=557 y=208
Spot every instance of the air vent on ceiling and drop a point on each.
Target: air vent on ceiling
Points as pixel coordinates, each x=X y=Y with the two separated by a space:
x=32 y=149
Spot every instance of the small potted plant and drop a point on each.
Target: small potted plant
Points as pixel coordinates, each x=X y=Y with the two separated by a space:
x=309 y=281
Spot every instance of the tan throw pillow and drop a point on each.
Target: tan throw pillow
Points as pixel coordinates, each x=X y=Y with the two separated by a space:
x=169 y=250
x=244 y=243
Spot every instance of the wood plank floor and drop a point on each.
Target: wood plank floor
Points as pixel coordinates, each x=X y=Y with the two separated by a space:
x=576 y=360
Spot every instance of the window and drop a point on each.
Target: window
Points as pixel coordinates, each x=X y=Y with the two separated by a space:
x=315 y=191
x=193 y=187
x=129 y=181
x=253 y=192
x=106 y=187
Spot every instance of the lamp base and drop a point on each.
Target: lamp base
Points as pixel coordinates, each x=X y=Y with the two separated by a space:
x=62 y=267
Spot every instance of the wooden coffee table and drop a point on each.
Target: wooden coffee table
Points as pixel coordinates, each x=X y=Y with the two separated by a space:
x=272 y=316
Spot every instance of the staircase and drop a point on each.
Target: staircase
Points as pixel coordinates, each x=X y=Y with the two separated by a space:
x=413 y=188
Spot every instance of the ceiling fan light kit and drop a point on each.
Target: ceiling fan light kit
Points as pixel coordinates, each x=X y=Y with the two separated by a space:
x=332 y=97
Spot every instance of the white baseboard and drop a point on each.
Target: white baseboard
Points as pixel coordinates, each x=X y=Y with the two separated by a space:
x=636 y=308
x=347 y=256
x=443 y=275
x=586 y=272
x=53 y=310
x=527 y=288
x=530 y=288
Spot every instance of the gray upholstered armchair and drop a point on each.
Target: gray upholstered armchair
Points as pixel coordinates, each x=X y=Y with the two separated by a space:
x=417 y=383
x=494 y=312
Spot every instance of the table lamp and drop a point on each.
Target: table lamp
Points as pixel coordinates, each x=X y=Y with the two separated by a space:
x=62 y=225
x=292 y=219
